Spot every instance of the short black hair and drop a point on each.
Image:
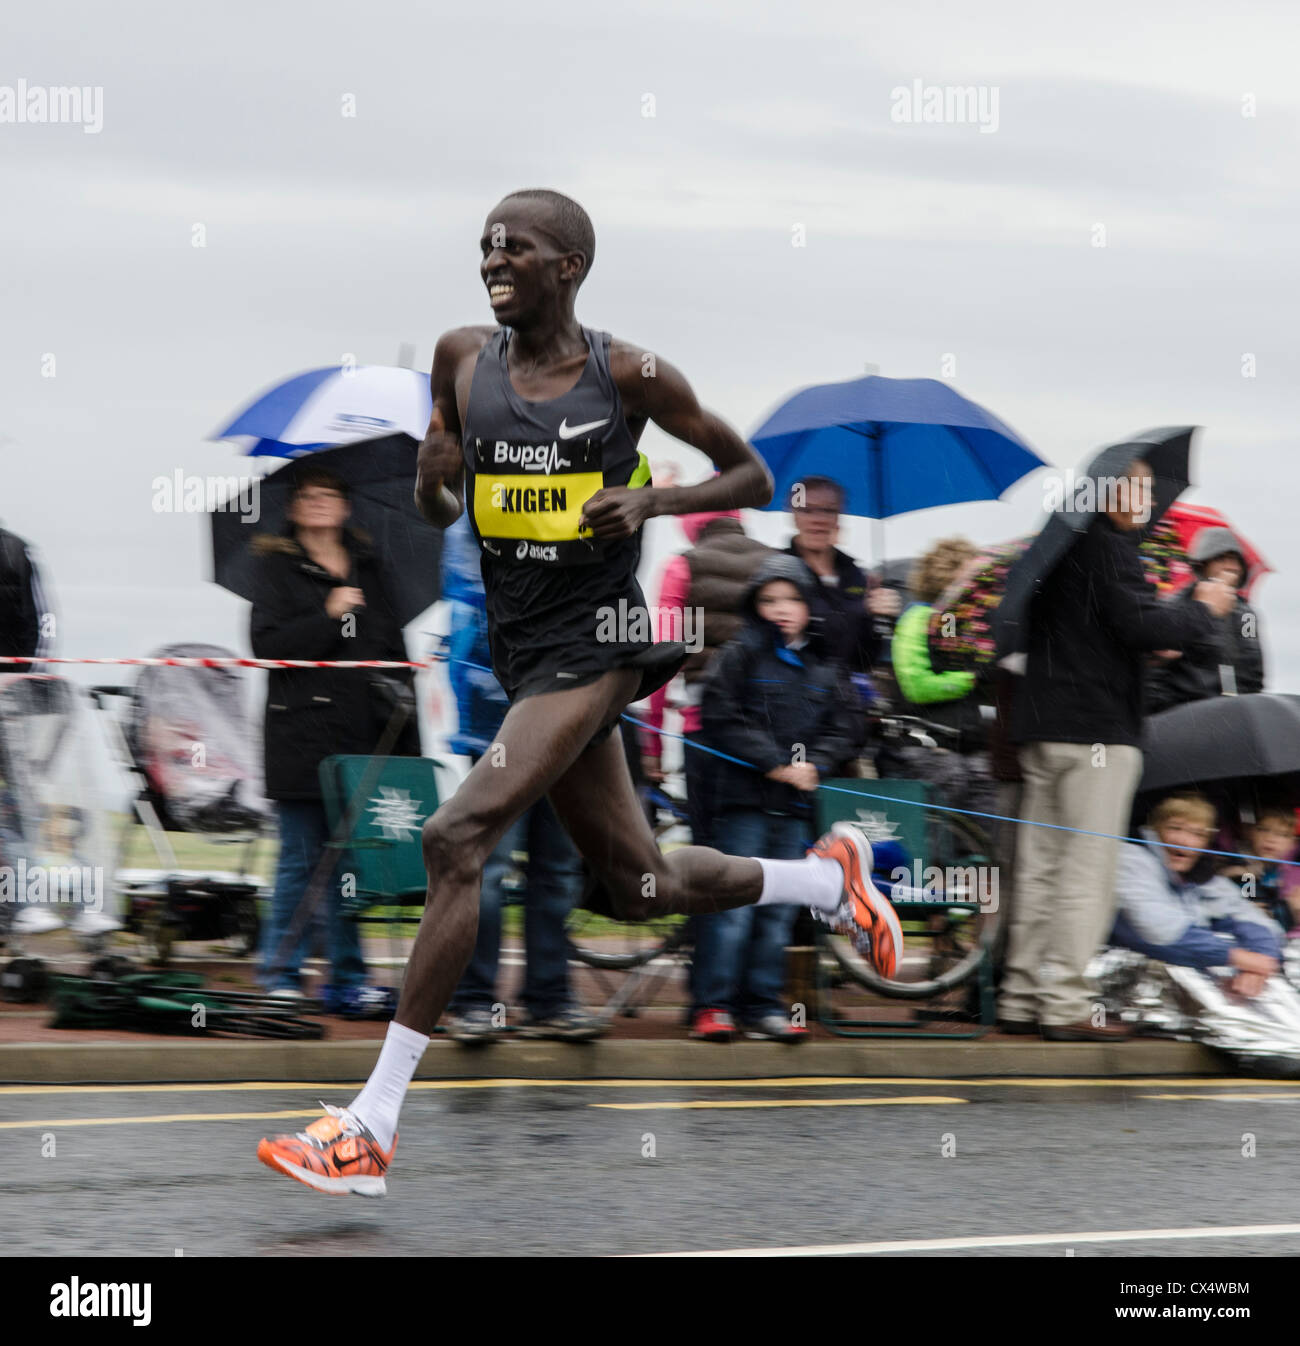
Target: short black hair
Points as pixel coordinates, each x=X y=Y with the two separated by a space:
x=570 y=225
x=818 y=484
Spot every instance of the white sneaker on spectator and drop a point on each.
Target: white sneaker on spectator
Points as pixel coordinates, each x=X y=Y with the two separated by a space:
x=35 y=921
x=93 y=923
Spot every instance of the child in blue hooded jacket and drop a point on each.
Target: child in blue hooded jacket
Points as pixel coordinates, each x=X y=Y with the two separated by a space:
x=776 y=701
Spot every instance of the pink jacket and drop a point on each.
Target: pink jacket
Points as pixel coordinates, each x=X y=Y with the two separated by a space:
x=674 y=591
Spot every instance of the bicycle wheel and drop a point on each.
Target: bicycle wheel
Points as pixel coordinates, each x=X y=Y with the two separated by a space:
x=598 y=939
x=961 y=868
x=618 y=946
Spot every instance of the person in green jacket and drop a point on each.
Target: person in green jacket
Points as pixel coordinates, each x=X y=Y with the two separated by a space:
x=958 y=769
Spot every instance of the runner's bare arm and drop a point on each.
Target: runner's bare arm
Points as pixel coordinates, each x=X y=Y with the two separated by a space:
x=666 y=398
x=440 y=467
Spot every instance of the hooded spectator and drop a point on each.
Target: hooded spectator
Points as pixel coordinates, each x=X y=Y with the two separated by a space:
x=775 y=701
x=707 y=584
x=774 y=689
x=1229 y=659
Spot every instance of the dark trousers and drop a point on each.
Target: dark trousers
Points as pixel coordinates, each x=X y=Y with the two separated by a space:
x=288 y=936
x=740 y=954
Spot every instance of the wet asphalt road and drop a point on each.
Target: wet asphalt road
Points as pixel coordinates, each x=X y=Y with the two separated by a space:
x=555 y=1170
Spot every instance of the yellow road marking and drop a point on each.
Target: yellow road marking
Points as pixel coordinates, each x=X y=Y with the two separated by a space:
x=920 y=1099
x=1227 y=1098
x=793 y=1082
x=1003 y=1241
x=927 y=1100
x=162 y=1117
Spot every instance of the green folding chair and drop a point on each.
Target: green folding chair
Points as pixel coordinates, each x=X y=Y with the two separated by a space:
x=376 y=807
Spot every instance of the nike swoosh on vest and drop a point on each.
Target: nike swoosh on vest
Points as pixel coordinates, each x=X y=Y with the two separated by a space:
x=568 y=432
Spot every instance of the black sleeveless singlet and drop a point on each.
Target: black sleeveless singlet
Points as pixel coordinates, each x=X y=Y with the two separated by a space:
x=562 y=606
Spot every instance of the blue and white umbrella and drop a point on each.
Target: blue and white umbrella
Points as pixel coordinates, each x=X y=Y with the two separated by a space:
x=328 y=407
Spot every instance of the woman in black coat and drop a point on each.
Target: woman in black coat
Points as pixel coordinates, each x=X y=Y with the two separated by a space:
x=320 y=594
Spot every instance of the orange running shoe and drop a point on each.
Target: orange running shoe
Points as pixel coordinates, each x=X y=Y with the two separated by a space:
x=865 y=915
x=336 y=1154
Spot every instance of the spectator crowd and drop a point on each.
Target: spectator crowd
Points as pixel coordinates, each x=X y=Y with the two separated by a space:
x=805 y=647
x=798 y=654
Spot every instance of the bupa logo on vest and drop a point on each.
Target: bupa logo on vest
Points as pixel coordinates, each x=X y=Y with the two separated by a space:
x=543 y=458
x=72 y=1299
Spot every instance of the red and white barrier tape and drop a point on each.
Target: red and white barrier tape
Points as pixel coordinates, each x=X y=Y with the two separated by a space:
x=231 y=662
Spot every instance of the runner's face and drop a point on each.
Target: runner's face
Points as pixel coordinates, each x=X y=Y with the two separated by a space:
x=523 y=267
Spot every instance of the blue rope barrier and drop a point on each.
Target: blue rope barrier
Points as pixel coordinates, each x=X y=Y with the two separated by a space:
x=913 y=803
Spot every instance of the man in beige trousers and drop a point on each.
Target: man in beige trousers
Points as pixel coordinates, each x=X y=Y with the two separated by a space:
x=1077 y=717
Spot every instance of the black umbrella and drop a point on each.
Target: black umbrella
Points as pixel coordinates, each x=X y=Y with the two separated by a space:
x=1169 y=453
x=380 y=474
x=1248 y=739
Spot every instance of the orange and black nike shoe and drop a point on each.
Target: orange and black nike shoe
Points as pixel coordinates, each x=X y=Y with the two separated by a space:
x=865 y=914
x=336 y=1154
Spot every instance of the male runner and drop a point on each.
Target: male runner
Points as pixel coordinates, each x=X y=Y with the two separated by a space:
x=535 y=428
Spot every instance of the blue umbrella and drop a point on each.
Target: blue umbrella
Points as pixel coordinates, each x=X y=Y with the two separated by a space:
x=325 y=408
x=895 y=445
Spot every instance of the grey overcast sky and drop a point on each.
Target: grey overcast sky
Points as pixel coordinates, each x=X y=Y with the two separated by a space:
x=328 y=235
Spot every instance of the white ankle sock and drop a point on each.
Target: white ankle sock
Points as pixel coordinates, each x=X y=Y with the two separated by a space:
x=813 y=881
x=378 y=1104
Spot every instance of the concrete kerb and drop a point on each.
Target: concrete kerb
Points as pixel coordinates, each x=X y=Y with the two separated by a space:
x=350 y=1062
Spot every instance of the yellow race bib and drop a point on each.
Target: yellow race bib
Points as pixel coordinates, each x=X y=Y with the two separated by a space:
x=537 y=507
x=527 y=499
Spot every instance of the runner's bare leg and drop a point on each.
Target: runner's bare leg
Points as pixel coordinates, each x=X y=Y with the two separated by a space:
x=542 y=746
x=597 y=803
x=538 y=741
